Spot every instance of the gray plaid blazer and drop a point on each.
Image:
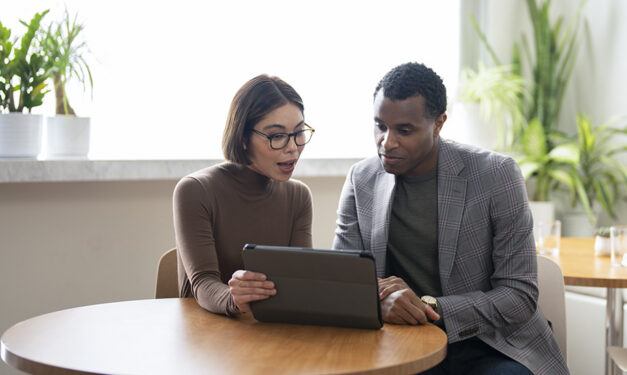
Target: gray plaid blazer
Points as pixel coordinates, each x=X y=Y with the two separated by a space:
x=487 y=260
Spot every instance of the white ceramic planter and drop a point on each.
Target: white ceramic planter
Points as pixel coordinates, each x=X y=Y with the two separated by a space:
x=602 y=245
x=542 y=212
x=577 y=224
x=68 y=136
x=20 y=135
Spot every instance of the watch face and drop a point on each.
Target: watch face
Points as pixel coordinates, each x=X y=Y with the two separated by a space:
x=429 y=300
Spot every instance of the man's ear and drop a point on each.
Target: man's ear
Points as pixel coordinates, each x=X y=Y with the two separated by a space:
x=439 y=122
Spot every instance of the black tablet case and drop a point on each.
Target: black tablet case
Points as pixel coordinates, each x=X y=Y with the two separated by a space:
x=318 y=287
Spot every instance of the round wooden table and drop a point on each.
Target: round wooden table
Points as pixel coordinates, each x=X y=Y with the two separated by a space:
x=176 y=336
x=582 y=267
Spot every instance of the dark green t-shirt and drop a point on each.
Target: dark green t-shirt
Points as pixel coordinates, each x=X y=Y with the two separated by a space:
x=412 y=252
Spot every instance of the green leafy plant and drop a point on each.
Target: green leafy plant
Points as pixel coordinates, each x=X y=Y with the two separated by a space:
x=547 y=156
x=603 y=176
x=552 y=168
x=497 y=90
x=551 y=62
x=67 y=55
x=24 y=68
x=603 y=232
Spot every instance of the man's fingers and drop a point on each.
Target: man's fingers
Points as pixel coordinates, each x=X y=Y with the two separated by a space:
x=431 y=314
x=387 y=290
x=409 y=305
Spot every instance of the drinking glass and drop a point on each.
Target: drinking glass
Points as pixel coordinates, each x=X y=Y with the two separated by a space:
x=547 y=237
x=618 y=245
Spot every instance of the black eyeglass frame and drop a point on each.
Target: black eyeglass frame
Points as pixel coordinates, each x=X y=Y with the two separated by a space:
x=270 y=137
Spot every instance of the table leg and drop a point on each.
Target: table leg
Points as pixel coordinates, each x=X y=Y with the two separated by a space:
x=613 y=325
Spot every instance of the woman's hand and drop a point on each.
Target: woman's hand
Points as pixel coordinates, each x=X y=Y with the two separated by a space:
x=248 y=286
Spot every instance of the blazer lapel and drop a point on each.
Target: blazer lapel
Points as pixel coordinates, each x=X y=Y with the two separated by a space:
x=451 y=202
x=382 y=202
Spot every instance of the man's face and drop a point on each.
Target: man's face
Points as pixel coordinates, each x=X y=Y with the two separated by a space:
x=406 y=137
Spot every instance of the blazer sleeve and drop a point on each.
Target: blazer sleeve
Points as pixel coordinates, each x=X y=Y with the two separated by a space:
x=301 y=232
x=514 y=294
x=347 y=232
x=193 y=227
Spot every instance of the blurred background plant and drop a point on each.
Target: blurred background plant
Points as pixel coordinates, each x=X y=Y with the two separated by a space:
x=523 y=100
x=603 y=176
x=497 y=90
x=66 y=53
x=24 y=68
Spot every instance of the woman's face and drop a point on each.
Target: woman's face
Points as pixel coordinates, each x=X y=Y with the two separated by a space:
x=276 y=164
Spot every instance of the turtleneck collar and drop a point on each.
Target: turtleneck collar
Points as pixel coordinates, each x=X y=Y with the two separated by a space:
x=247 y=180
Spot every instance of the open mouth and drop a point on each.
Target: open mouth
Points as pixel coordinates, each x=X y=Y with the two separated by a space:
x=287 y=166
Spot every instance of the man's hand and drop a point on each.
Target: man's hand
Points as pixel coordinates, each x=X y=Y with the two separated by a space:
x=400 y=305
x=248 y=286
x=389 y=285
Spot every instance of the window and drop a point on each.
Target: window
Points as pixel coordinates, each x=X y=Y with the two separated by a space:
x=165 y=71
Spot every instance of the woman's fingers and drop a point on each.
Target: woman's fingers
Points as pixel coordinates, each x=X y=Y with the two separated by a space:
x=251 y=284
x=248 y=275
x=255 y=291
x=248 y=286
x=246 y=298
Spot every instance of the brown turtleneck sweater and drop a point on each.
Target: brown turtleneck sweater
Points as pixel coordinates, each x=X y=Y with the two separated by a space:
x=219 y=209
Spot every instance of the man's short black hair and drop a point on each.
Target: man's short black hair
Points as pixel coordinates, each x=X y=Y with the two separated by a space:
x=414 y=79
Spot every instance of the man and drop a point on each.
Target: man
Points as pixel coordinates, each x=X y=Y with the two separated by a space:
x=451 y=232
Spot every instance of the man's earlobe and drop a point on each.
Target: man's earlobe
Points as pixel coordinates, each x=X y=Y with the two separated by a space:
x=439 y=122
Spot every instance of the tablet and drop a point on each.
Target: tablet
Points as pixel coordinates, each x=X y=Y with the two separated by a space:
x=318 y=287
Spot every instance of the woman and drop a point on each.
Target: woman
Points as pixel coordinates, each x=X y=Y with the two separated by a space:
x=248 y=199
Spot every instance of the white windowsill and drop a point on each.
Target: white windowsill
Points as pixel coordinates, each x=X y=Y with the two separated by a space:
x=21 y=170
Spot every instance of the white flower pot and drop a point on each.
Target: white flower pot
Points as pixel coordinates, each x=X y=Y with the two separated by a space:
x=68 y=136
x=577 y=224
x=542 y=212
x=602 y=245
x=20 y=135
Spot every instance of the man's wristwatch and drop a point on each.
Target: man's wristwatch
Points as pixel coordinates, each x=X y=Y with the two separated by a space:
x=431 y=301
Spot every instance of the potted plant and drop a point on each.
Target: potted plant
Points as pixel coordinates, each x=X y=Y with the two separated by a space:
x=68 y=134
x=548 y=67
x=24 y=71
x=603 y=176
x=602 y=241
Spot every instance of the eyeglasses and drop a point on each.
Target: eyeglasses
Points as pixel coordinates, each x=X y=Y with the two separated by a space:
x=280 y=140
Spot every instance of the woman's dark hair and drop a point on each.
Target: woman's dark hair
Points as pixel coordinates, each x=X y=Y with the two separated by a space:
x=254 y=100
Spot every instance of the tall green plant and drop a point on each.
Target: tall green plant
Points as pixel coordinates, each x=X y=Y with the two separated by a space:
x=548 y=64
x=603 y=176
x=551 y=63
x=67 y=55
x=546 y=156
x=24 y=68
